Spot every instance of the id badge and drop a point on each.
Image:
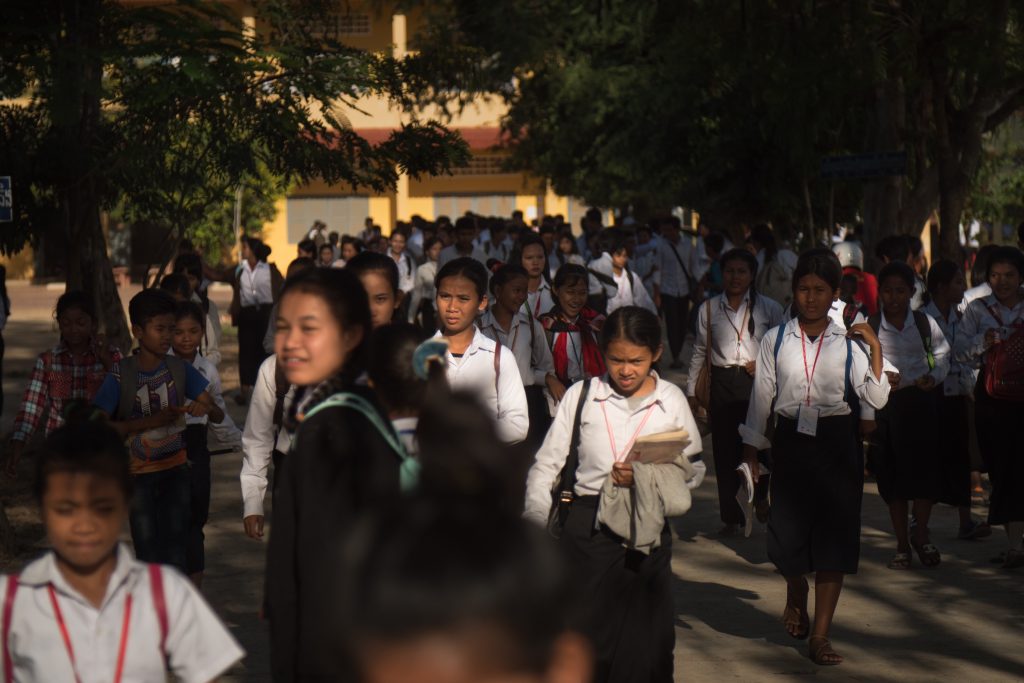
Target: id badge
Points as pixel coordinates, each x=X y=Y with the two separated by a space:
x=807 y=420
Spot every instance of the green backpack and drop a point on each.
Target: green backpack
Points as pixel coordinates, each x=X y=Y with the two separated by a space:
x=409 y=470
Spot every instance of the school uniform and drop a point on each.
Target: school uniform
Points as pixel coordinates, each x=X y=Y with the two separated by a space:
x=496 y=384
x=423 y=302
x=905 y=454
x=406 y=271
x=256 y=296
x=575 y=351
x=629 y=615
x=405 y=430
x=196 y=646
x=1000 y=437
x=676 y=266
x=953 y=414
x=817 y=481
x=734 y=344
x=541 y=300
x=627 y=290
x=263 y=438
x=451 y=252
x=525 y=339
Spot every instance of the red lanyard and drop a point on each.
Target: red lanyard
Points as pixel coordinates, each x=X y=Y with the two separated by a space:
x=810 y=374
x=743 y=325
x=536 y=307
x=122 y=649
x=629 y=445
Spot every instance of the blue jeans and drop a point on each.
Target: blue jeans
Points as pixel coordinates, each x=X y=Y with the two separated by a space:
x=160 y=516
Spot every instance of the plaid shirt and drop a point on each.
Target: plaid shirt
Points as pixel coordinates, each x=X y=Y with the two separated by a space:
x=57 y=379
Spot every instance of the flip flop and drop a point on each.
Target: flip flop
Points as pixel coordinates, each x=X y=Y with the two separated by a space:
x=928 y=554
x=900 y=561
x=823 y=654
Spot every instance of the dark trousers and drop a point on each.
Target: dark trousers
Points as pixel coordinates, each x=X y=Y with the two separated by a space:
x=199 y=469
x=160 y=516
x=540 y=418
x=676 y=310
x=252 y=327
x=730 y=395
x=628 y=614
x=1001 y=439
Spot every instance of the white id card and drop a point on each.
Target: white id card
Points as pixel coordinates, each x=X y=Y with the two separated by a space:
x=807 y=420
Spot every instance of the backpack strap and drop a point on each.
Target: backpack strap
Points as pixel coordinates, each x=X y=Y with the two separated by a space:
x=497 y=376
x=924 y=328
x=10 y=594
x=156 y=586
x=572 y=461
x=176 y=366
x=128 y=367
x=775 y=354
x=409 y=469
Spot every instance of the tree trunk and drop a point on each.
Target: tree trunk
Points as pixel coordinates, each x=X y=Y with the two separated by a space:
x=75 y=103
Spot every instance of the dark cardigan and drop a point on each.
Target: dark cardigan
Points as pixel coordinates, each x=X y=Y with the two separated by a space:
x=339 y=468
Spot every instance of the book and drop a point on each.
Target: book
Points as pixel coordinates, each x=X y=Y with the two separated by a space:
x=659 y=448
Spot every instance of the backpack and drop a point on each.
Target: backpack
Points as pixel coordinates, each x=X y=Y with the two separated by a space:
x=775 y=281
x=156 y=586
x=129 y=368
x=409 y=470
x=924 y=329
x=1004 y=364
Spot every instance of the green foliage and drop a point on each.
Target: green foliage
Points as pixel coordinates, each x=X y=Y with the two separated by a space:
x=998 y=195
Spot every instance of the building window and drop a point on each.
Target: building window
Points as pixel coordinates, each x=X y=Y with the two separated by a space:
x=483 y=164
x=455 y=205
x=344 y=215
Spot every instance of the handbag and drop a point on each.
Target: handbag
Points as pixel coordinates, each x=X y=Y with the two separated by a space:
x=1004 y=364
x=564 y=490
x=702 y=387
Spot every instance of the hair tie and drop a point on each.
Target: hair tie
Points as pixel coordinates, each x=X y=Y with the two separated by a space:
x=430 y=351
x=496 y=265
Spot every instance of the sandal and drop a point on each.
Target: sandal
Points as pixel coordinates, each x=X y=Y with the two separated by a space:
x=900 y=561
x=795 y=618
x=823 y=654
x=928 y=554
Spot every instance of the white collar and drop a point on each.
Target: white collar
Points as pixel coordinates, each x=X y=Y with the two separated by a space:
x=907 y=322
x=725 y=301
x=604 y=391
x=480 y=341
x=44 y=572
x=793 y=328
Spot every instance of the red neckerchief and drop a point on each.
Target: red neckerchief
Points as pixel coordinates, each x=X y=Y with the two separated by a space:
x=588 y=324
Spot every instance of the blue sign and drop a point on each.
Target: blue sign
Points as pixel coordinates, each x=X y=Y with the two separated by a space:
x=6 y=200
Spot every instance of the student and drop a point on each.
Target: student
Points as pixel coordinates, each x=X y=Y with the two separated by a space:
x=341 y=465
x=326 y=259
x=572 y=330
x=739 y=319
x=350 y=248
x=74 y=369
x=423 y=302
x=901 y=249
x=191 y=266
x=494 y=606
x=264 y=441
x=629 y=618
x=306 y=249
x=817 y=474
x=645 y=257
x=906 y=454
x=147 y=396
x=87 y=609
x=258 y=284
x=530 y=255
x=188 y=336
x=406 y=267
x=509 y=323
x=774 y=265
x=498 y=245
x=611 y=277
x=294 y=268
x=465 y=233
x=987 y=323
x=379 y=277
x=946 y=287
x=864 y=284
x=675 y=286
x=476 y=363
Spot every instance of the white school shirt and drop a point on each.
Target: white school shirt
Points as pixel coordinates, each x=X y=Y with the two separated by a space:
x=450 y=253
x=423 y=288
x=254 y=288
x=258 y=443
x=731 y=341
x=540 y=301
x=976 y=292
x=623 y=293
x=226 y=430
x=199 y=647
x=533 y=357
x=920 y=289
x=977 y=320
x=828 y=386
x=646 y=267
x=664 y=410
x=835 y=313
x=904 y=349
x=961 y=379
x=211 y=340
x=406 y=271
x=405 y=428
x=673 y=280
x=474 y=372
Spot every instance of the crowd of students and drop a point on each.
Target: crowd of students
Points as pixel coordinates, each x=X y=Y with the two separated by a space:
x=430 y=402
